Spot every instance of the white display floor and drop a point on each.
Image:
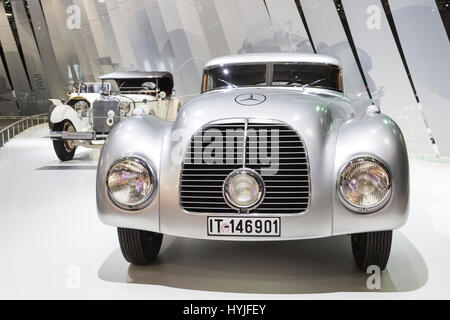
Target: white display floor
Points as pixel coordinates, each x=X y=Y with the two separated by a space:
x=52 y=244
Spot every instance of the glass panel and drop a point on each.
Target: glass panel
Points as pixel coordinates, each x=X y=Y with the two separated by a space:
x=311 y=75
x=91 y=88
x=330 y=39
x=235 y=76
x=427 y=51
x=288 y=26
x=384 y=70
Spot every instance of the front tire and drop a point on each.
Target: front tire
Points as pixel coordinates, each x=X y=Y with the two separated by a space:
x=139 y=247
x=372 y=248
x=65 y=150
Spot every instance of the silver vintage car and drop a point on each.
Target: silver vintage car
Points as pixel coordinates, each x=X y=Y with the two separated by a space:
x=270 y=150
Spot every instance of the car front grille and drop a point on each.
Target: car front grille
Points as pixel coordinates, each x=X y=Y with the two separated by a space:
x=205 y=168
x=100 y=110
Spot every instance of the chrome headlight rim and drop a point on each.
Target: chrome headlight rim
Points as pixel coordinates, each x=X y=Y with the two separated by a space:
x=124 y=108
x=86 y=106
x=255 y=175
x=358 y=208
x=148 y=165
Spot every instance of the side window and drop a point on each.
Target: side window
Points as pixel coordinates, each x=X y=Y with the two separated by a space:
x=340 y=81
x=209 y=82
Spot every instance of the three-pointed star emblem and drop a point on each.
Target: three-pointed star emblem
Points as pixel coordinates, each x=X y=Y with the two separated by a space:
x=250 y=99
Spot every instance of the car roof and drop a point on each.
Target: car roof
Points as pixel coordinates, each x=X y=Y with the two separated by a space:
x=123 y=75
x=275 y=57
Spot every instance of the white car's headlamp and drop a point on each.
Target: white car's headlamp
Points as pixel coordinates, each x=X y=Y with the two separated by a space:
x=243 y=189
x=124 y=108
x=131 y=183
x=82 y=108
x=364 y=185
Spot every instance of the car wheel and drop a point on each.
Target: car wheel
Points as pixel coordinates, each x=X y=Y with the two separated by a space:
x=371 y=248
x=65 y=150
x=139 y=247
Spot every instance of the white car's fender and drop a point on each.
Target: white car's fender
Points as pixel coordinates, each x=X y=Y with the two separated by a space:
x=56 y=102
x=174 y=107
x=64 y=112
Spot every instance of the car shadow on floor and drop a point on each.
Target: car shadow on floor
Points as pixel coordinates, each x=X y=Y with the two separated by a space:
x=284 y=267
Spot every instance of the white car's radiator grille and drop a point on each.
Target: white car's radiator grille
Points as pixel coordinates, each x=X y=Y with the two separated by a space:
x=100 y=109
x=272 y=148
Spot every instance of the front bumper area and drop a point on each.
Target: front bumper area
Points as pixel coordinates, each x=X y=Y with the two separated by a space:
x=326 y=216
x=68 y=135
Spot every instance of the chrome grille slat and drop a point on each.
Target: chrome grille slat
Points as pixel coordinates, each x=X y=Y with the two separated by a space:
x=287 y=188
x=215 y=192
x=213 y=209
x=286 y=198
x=274 y=147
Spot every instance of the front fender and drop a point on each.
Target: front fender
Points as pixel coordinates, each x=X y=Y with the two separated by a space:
x=376 y=135
x=64 y=112
x=174 y=107
x=56 y=102
x=139 y=136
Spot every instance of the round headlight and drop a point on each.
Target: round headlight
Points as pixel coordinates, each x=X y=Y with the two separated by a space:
x=365 y=185
x=82 y=107
x=131 y=183
x=243 y=189
x=124 y=108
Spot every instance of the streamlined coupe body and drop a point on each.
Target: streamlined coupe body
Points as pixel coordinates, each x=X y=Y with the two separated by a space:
x=270 y=150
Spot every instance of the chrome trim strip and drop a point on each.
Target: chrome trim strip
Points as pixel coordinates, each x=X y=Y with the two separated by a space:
x=244 y=153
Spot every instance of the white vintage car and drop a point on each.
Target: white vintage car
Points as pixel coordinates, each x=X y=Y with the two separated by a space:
x=80 y=91
x=94 y=108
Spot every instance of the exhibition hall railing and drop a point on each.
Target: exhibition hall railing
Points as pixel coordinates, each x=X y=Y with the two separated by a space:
x=22 y=124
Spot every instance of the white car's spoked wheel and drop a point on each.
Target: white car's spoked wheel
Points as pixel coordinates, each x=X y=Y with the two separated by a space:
x=139 y=247
x=65 y=150
x=372 y=248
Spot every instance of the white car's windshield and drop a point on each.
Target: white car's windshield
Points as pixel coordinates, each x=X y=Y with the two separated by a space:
x=277 y=75
x=87 y=87
x=93 y=88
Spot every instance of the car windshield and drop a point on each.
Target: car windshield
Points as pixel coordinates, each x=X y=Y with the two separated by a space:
x=282 y=75
x=144 y=85
x=232 y=76
x=87 y=87
x=92 y=88
x=307 y=75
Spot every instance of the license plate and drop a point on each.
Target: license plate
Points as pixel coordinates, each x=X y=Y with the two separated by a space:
x=245 y=226
x=70 y=135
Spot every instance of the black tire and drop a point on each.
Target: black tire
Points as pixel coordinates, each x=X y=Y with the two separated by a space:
x=139 y=247
x=371 y=248
x=63 y=149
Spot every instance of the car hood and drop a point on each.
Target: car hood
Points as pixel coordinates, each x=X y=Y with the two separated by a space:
x=299 y=108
